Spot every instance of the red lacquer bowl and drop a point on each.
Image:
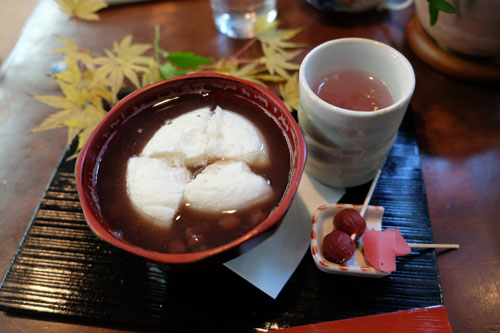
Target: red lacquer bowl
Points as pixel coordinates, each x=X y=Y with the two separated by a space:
x=250 y=94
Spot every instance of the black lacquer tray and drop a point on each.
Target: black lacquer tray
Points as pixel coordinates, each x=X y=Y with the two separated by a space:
x=61 y=271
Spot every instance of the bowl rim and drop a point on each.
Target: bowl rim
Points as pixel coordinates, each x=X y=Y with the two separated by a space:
x=185 y=258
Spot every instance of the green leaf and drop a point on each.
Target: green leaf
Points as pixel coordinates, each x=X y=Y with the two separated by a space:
x=443 y=6
x=169 y=71
x=433 y=14
x=187 y=59
x=435 y=6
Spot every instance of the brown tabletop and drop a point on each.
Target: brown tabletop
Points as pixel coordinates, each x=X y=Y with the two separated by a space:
x=457 y=124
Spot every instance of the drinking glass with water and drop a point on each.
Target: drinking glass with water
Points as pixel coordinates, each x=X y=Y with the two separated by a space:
x=236 y=18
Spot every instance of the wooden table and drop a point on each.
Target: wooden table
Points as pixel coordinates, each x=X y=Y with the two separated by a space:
x=457 y=123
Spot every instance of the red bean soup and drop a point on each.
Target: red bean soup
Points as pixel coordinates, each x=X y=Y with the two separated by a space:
x=191 y=230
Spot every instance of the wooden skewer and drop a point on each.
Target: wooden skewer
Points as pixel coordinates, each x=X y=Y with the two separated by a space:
x=421 y=246
x=435 y=246
x=369 y=194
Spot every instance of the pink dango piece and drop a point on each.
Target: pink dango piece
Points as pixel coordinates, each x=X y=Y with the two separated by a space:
x=379 y=250
x=402 y=248
x=382 y=247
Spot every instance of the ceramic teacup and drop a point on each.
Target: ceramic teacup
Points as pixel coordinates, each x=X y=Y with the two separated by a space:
x=345 y=147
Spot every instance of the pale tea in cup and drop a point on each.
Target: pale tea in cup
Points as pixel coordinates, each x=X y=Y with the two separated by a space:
x=354 y=90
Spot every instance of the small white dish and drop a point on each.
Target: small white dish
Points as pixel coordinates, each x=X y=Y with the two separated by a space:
x=322 y=225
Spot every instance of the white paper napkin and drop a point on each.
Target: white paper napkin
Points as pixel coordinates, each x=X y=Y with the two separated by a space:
x=270 y=264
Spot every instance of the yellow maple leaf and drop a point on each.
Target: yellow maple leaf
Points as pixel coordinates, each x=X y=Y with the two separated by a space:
x=252 y=71
x=74 y=94
x=71 y=50
x=269 y=34
x=290 y=92
x=71 y=74
x=152 y=75
x=279 y=62
x=268 y=77
x=222 y=66
x=81 y=88
x=247 y=72
x=84 y=123
x=125 y=61
x=84 y=9
x=98 y=89
x=80 y=107
x=77 y=119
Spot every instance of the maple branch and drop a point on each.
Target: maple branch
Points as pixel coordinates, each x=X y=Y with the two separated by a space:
x=244 y=48
x=156 y=43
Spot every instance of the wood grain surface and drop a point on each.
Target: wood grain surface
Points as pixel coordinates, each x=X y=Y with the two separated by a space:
x=457 y=124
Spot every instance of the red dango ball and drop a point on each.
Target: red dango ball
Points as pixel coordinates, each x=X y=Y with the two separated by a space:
x=338 y=247
x=350 y=221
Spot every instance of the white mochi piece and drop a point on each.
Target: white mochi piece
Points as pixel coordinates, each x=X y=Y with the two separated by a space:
x=226 y=185
x=239 y=139
x=186 y=140
x=198 y=136
x=159 y=180
x=155 y=188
